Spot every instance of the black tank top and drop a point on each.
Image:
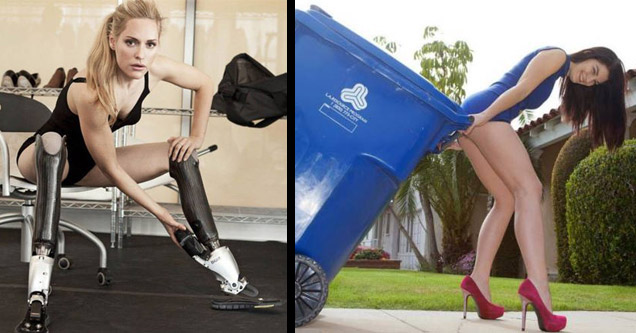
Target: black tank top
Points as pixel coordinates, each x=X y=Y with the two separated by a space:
x=65 y=122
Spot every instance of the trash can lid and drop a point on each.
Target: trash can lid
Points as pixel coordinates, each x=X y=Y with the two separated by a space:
x=322 y=24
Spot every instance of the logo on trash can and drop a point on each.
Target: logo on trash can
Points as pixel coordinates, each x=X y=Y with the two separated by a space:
x=355 y=96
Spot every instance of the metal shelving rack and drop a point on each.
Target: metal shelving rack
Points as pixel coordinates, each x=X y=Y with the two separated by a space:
x=89 y=205
x=119 y=203
x=54 y=92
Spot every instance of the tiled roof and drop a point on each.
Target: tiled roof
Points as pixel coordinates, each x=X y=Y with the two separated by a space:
x=630 y=74
x=552 y=114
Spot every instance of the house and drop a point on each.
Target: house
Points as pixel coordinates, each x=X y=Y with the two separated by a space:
x=547 y=135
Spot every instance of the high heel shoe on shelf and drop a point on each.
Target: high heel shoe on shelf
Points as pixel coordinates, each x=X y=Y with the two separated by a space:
x=71 y=73
x=9 y=79
x=485 y=309
x=28 y=80
x=57 y=80
x=548 y=322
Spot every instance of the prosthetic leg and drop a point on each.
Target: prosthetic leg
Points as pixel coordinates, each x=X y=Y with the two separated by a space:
x=204 y=248
x=50 y=155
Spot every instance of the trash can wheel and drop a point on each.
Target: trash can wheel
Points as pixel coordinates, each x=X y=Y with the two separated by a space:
x=311 y=289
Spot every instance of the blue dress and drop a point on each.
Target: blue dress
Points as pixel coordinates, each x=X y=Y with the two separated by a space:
x=480 y=101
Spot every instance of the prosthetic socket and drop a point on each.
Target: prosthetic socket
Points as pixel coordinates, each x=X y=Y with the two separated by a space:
x=205 y=247
x=50 y=159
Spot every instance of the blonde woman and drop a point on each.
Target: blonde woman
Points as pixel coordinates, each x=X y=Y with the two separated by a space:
x=75 y=147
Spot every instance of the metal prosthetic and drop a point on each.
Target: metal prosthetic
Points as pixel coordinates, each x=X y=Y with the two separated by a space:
x=50 y=157
x=205 y=247
x=220 y=261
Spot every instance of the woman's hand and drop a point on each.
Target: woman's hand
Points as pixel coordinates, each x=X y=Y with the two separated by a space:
x=170 y=224
x=181 y=147
x=478 y=120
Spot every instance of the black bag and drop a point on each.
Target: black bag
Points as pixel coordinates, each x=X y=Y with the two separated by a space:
x=248 y=92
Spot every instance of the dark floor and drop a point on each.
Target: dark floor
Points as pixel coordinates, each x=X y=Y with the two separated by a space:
x=156 y=287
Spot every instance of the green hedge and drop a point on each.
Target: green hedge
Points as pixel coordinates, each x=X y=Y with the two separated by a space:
x=575 y=149
x=601 y=217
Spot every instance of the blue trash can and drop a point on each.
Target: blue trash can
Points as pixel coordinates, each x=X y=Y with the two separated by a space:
x=362 y=122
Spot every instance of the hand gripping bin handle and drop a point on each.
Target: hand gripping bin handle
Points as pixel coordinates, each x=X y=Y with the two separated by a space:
x=447 y=141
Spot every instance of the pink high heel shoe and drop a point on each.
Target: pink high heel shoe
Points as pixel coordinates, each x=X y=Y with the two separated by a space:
x=548 y=321
x=485 y=309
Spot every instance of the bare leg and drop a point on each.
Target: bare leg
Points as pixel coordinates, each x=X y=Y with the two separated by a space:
x=152 y=156
x=26 y=163
x=496 y=222
x=502 y=148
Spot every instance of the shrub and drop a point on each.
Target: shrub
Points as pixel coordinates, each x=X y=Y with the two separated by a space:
x=358 y=249
x=601 y=217
x=575 y=149
x=368 y=253
x=465 y=264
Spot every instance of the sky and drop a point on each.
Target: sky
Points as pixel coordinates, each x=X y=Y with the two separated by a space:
x=500 y=33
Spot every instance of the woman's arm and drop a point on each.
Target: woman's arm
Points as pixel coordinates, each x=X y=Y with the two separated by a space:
x=539 y=68
x=99 y=141
x=187 y=77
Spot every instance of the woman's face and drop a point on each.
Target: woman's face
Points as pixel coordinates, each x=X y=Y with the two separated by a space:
x=136 y=47
x=589 y=73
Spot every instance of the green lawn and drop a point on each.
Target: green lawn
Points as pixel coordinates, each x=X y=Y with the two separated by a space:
x=411 y=290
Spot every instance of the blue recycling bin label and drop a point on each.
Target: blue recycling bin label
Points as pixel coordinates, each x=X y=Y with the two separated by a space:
x=345 y=109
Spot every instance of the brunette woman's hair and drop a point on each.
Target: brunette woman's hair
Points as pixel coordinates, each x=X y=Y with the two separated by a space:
x=602 y=104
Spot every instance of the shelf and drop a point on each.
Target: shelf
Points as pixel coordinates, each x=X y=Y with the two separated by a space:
x=227 y=214
x=92 y=205
x=157 y=111
x=32 y=91
x=177 y=112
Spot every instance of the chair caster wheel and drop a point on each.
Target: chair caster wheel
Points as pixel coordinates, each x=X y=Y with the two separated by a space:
x=63 y=262
x=103 y=277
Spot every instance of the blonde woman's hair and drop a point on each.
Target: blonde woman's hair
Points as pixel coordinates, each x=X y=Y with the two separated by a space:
x=101 y=67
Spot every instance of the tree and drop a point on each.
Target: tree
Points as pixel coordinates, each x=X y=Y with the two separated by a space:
x=405 y=198
x=418 y=254
x=453 y=184
x=416 y=187
x=442 y=181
